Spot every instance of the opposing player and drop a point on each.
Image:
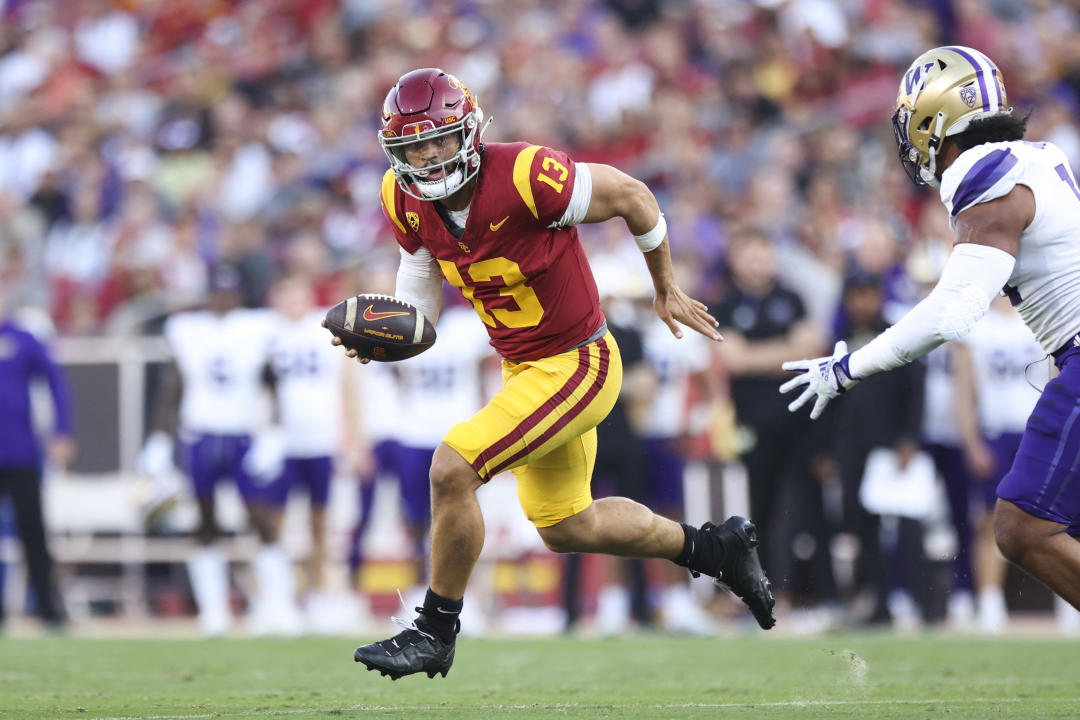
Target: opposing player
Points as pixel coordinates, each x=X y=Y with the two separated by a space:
x=497 y=221
x=434 y=389
x=307 y=376
x=213 y=394
x=995 y=399
x=1015 y=209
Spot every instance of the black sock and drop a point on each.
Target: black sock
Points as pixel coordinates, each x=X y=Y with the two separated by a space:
x=690 y=544
x=699 y=556
x=440 y=615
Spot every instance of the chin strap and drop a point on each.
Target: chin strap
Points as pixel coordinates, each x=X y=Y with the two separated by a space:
x=932 y=149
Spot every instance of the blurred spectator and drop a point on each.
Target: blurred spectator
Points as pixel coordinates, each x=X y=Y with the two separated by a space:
x=24 y=361
x=887 y=416
x=762 y=323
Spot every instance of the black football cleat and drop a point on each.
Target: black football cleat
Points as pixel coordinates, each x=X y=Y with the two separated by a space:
x=740 y=570
x=411 y=651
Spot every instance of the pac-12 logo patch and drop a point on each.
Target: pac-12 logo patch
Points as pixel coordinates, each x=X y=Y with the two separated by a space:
x=967 y=94
x=414 y=221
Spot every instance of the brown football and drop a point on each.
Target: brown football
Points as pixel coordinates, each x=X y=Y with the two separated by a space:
x=380 y=327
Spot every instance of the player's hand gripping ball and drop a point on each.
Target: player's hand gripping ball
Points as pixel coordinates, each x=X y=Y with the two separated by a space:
x=380 y=327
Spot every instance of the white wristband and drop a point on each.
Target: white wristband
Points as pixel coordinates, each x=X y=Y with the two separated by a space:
x=652 y=239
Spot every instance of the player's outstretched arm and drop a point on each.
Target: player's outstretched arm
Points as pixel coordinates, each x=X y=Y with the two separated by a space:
x=616 y=194
x=987 y=238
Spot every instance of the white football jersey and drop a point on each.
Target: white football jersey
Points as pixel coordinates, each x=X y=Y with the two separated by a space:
x=1045 y=282
x=939 y=404
x=442 y=386
x=380 y=404
x=222 y=360
x=309 y=375
x=1002 y=349
x=673 y=360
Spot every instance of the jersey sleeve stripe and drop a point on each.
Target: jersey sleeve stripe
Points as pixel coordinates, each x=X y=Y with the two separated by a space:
x=389 y=182
x=522 y=169
x=982 y=176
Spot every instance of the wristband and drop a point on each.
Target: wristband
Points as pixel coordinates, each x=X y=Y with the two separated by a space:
x=652 y=239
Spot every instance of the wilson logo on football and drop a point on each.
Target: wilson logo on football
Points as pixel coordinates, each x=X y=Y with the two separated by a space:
x=371 y=315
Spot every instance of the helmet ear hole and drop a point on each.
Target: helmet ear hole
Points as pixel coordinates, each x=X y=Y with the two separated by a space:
x=925 y=124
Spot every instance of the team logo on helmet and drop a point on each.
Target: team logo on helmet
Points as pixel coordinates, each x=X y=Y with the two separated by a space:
x=968 y=96
x=414 y=221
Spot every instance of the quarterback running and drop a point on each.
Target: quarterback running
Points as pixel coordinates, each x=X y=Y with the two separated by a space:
x=1015 y=209
x=497 y=220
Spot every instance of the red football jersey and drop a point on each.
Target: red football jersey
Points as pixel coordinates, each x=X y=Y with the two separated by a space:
x=528 y=281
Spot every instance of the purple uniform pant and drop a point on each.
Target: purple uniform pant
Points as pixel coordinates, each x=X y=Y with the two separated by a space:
x=210 y=458
x=414 y=467
x=1004 y=447
x=310 y=474
x=1045 y=477
x=665 y=474
x=949 y=461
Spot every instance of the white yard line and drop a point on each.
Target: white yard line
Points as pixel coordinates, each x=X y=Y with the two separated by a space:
x=569 y=706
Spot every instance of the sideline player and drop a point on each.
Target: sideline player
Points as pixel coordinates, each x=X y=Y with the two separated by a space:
x=214 y=392
x=307 y=375
x=995 y=399
x=1015 y=208
x=434 y=388
x=498 y=221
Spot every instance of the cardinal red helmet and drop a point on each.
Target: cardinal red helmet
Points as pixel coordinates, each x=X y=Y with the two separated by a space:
x=423 y=105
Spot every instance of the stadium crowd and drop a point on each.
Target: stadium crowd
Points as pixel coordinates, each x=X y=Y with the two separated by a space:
x=143 y=141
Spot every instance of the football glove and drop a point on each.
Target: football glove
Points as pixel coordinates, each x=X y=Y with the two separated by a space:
x=824 y=377
x=265 y=459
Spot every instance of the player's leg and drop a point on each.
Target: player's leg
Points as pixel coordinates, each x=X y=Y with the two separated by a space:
x=274 y=608
x=538 y=403
x=623 y=527
x=317 y=480
x=414 y=471
x=1039 y=498
x=1042 y=547
x=207 y=565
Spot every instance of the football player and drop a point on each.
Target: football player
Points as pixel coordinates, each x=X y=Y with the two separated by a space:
x=992 y=365
x=497 y=221
x=435 y=388
x=1015 y=210
x=213 y=390
x=306 y=374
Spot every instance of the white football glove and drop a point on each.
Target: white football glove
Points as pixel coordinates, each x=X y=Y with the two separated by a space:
x=156 y=457
x=265 y=459
x=824 y=377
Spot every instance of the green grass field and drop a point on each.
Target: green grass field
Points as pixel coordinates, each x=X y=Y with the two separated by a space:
x=753 y=676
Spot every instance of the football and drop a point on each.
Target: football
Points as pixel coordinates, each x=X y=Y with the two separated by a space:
x=380 y=327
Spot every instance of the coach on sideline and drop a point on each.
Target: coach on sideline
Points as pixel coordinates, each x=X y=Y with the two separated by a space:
x=22 y=359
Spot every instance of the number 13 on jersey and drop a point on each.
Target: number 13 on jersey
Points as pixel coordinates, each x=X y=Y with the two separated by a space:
x=529 y=312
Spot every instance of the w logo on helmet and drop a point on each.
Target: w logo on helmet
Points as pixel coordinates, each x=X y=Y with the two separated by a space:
x=915 y=78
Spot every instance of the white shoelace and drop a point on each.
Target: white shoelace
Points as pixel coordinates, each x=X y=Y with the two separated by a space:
x=408 y=624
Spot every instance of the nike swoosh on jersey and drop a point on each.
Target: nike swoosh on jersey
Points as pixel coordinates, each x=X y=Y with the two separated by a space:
x=496 y=226
x=369 y=315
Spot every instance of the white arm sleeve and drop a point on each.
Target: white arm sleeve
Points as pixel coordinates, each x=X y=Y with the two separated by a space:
x=579 y=198
x=419 y=282
x=973 y=275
